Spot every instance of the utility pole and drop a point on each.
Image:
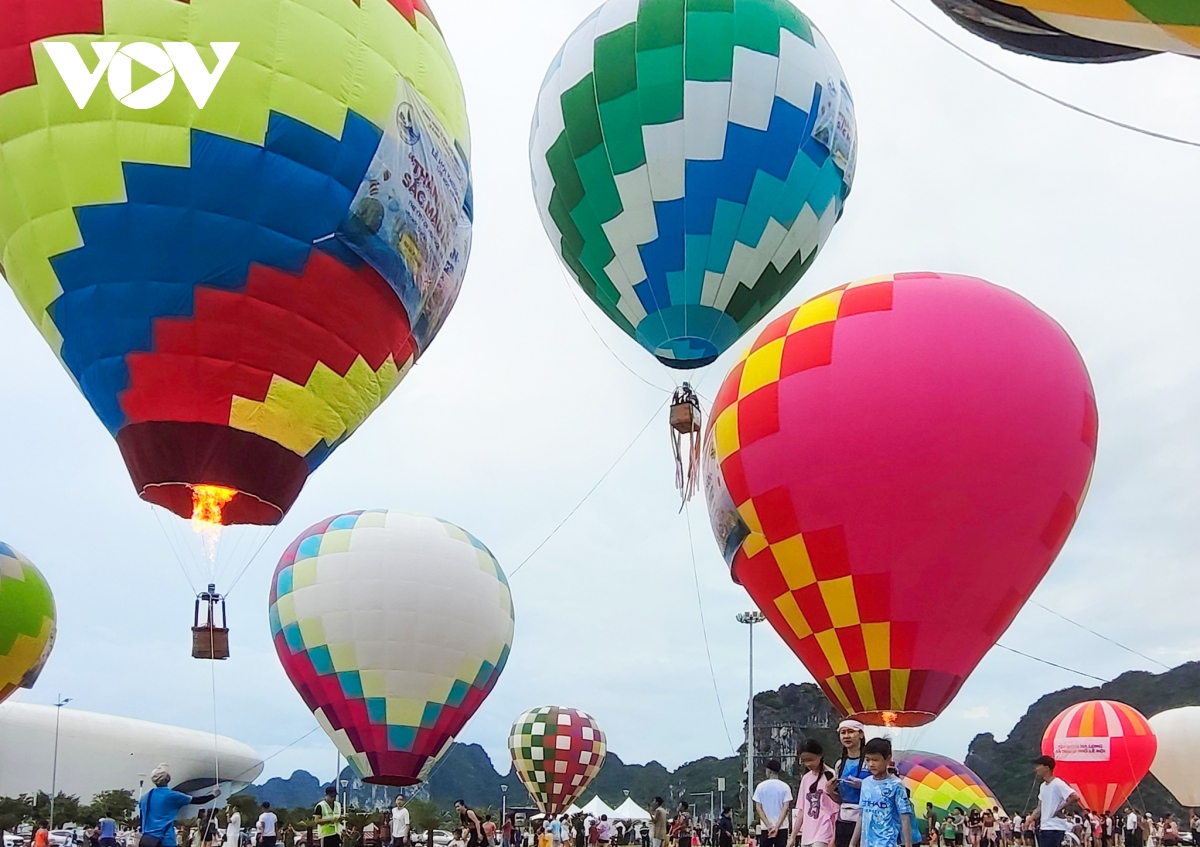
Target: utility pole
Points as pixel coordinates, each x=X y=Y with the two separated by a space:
x=54 y=772
x=750 y=618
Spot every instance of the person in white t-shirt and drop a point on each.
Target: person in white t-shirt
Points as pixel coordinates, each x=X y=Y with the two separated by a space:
x=1054 y=797
x=233 y=829
x=267 y=824
x=401 y=823
x=773 y=803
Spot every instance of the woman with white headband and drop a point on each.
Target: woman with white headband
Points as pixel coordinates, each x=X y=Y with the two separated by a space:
x=851 y=770
x=160 y=806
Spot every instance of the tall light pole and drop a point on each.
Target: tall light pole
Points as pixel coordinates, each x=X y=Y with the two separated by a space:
x=54 y=772
x=750 y=618
x=503 y=803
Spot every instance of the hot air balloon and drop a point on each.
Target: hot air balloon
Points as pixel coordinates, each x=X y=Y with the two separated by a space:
x=1178 y=735
x=359 y=617
x=885 y=450
x=689 y=160
x=1102 y=749
x=556 y=752
x=238 y=261
x=687 y=197
x=945 y=783
x=1082 y=30
x=28 y=622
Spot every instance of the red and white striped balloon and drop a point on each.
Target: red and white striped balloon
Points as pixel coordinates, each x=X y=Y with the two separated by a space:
x=1103 y=749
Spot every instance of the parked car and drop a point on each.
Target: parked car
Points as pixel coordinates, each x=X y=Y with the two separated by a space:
x=63 y=838
x=12 y=840
x=441 y=838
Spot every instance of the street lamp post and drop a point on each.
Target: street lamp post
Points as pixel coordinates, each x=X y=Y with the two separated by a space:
x=54 y=771
x=503 y=803
x=750 y=618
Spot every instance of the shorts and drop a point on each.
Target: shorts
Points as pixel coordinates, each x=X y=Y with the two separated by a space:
x=780 y=839
x=685 y=841
x=1050 y=838
x=331 y=841
x=399 y=840
x=269 y=840
x=108 y=842
x=843 y=831
x=816 y=844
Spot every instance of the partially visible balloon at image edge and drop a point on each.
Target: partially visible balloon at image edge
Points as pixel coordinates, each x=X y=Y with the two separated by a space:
x=234 y=278
x=28 y=622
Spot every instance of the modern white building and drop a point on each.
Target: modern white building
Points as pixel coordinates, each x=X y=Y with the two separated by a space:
x=103 y=752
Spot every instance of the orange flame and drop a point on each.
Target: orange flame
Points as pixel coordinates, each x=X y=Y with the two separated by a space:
x=889 y=718
x=208 y=503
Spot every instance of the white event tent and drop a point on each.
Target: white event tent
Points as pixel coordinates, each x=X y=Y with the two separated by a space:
x=630 y=811
x=597 y=807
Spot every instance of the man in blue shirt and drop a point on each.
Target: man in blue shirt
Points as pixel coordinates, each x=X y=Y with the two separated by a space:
x=887 y=813
x=160 y=806
x=107 y=832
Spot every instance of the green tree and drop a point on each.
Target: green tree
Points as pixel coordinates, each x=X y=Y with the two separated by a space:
x=249 y=808
x=426 y=817
x=118 y=805
x=14 y=811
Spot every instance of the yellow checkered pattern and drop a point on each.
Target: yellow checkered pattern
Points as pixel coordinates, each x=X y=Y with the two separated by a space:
x=759 y=367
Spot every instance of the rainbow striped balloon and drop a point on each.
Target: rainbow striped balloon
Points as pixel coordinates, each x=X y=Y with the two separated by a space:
x=945 y=783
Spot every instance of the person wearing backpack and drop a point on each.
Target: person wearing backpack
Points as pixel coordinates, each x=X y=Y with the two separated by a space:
x=160 y=806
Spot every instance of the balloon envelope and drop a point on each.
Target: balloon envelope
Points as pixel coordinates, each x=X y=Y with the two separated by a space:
x=689 y=160
x=1178 y=734
x=28 y=622
x=945 y=783
x=1084 y=30
x=235 y=278
x=1021 y=31
x=556 y=751
x=881 y=453
x=1102 y=749
x=394 y=628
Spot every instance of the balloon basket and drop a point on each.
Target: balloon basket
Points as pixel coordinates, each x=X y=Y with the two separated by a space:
x=210 y=640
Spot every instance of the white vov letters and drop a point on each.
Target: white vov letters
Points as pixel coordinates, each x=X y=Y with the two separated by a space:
x=172 y=56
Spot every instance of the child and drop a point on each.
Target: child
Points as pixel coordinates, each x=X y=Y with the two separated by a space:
x=887 y=813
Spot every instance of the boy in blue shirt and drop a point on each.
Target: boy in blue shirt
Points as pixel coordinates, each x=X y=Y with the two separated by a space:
x=887 y=813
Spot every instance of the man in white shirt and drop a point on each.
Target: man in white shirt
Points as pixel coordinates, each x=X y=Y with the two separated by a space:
x=1133 y=828
x=267 y=823
x=401 y=823
x=773 y=803
x=1054 y=796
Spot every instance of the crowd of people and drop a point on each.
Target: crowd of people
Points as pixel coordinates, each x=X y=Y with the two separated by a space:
x=860 y=801
x=857 y=801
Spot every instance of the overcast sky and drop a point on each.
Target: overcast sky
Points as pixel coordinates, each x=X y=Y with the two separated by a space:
x=518 y=409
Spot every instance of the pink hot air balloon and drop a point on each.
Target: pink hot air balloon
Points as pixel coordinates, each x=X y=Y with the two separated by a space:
x=892 y=468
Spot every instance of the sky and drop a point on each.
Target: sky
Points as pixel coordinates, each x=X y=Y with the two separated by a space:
x=528 y=397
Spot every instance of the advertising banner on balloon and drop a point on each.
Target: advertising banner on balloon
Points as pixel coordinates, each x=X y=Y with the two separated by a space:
x=835 y=127
x=727 y=524
x=1082 y=749
x=411 y=216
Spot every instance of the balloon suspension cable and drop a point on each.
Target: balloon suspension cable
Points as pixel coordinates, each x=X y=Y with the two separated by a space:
x=704 y=630
x=1161 y=136
x=216 y=737
x=685 y=441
